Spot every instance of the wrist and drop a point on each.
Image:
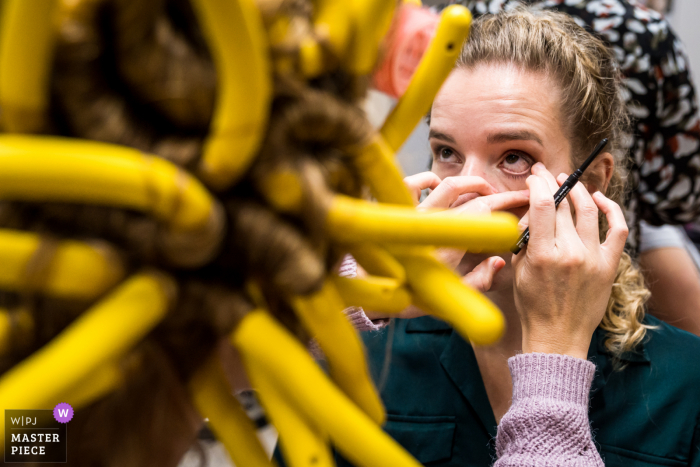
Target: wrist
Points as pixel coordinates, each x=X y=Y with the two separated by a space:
x=556 y=343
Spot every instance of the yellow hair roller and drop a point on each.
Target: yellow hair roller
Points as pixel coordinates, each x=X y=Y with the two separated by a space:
x=214 y=400
x=352 y=219
x=238 y=43
x=101 y=334
x=333 y=23
x=265 y=344
x=322 y=314
x=450 y=299
x=302 y=444
x=377 y=261
x=372 y=19
x=353 y=30
x=432 y=71
x=105 y=379
x=5 y=327
x=374 y=293
x=77 y=270
x=441 y=292
x=375 y=163
x=26 y=51
x=36 y=168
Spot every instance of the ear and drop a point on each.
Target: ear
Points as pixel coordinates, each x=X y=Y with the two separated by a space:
x=599 y=173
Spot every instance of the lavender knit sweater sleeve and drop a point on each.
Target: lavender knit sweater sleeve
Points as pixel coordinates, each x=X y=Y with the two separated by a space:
x=547 y=424
x=355 y=314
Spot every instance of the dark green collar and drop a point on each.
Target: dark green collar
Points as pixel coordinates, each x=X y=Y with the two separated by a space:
x=639 y=355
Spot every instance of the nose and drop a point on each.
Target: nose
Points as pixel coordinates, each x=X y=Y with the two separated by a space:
x=473 y=166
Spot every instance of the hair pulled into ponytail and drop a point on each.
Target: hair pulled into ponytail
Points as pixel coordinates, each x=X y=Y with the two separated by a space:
x=592 y=108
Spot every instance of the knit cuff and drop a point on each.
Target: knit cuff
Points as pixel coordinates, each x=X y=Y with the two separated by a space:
x=361 y=322
x=551 y=377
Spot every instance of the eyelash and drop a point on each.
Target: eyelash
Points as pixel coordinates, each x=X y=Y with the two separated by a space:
x=439 y=150
x=522 y=155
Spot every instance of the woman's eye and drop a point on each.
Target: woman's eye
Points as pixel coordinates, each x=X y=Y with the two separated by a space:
x=445 y=154
x=517 y=163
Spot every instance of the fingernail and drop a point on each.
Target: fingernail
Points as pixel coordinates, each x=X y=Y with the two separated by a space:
x=498 y=263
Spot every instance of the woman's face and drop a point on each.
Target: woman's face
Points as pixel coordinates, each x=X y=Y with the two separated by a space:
x=496 y=121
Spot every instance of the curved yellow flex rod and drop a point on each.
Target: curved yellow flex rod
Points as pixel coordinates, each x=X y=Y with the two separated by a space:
x=36 y=168
x=333 y=22
x=433 y=69
x=238 y=43
x=321 y=313
x=265 y=344
x=354 y=30
x=441 y=292
x=77 y=270
x=215 y=401
x=372 y=22
x=450 y=300
x=377 y=261
x=353 y=220
x=101 y=334
x=350 y=219
x=26 y=50
x=376 y=164
x=105 y=379
x=5 y=326
x=373 y=293
x=302 y=444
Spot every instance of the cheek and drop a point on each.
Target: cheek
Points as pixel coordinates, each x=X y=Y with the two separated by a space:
x=444 y=170
x=505 y=183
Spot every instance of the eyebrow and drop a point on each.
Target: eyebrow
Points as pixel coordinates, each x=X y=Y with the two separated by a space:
x=442 y=136
x=522 y=135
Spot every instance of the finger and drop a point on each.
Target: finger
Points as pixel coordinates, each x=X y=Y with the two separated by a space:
x=507 y=200
x=586 y=216
x=565 y=230
x=497 y=202
x=542 y=215
x=541 y=171
x=450 y=188
x=564 y=220
x=524 y=222
x=481 y=277
x=617 y=233
x=419 y=182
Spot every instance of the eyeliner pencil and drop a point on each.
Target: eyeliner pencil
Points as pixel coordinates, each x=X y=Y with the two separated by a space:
x=563 y=190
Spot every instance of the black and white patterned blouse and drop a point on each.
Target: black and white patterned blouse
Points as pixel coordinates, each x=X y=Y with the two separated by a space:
x=665 y=168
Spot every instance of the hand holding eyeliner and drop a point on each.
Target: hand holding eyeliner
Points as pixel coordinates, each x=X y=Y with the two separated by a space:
x=563 y=190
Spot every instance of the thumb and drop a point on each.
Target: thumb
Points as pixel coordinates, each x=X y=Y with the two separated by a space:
x=481 y=277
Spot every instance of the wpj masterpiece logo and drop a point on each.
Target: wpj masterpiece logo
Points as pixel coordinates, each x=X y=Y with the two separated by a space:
x=37 y=435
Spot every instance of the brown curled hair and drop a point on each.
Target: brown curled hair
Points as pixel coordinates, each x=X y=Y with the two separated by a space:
x=138 y=73
x=592 y=108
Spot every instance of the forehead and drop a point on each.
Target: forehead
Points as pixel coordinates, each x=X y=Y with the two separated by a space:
x=496 y=97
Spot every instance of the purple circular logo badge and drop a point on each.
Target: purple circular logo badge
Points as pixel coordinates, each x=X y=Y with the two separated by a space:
x=63 y=413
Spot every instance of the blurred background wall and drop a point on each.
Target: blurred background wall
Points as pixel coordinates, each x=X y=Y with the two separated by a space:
x=685 y=20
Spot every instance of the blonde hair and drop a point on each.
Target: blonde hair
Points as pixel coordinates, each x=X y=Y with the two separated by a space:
x=592 y=108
